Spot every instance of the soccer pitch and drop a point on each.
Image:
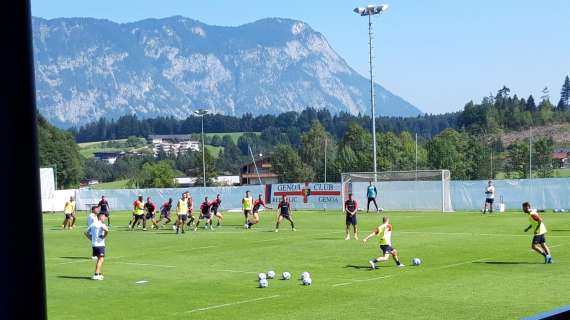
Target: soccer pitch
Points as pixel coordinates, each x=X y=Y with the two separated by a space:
x=474 y=267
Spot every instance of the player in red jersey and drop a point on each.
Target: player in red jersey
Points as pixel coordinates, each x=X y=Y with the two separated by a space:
x=216 y=211
x=254 y=216
x=205 y=214
x=284 y=208
x=350 y=208
x=165 y=212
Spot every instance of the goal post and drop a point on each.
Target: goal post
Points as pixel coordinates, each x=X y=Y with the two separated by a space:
x=422 y=190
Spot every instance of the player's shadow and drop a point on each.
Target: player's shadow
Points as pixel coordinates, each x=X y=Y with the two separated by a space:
x=506 y=262
x=360 y=267
x=74 y=277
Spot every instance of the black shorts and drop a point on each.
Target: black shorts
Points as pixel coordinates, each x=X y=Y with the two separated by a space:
x=371 y=199
x=246 y=211
x=386 y=249
x=68 y=216
x=98 y=252
x=183 y=217
x=351 y=219
x=538 y=239
x=205 y=216
x=149 y=215
x=165 y=214
x=489 y=201
x=106 y=213
x=215 y=211
x=285 y=215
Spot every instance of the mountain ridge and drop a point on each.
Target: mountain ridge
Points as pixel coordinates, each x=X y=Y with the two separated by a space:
x=88 y=68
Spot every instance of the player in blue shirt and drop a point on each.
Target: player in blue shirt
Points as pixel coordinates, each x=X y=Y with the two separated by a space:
x=371 y=193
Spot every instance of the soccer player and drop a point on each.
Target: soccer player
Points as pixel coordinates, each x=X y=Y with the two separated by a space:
x=165 y=212
x=384 y=233
x=246 y=205
x=181 y=212
x=138 y=213
x=371 y=193
x=350 y=208
x=190 y=209
x=216 y=211
x=205 y=214
x=97 y=232
x=150 y=215
x=538 y=240
x=489 y=197
x=69 y=211
x=105 y=209
x=92 y=217
x=254 y=213
x=284 y=208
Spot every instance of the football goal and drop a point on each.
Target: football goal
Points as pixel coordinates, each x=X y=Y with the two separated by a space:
x=425 y=190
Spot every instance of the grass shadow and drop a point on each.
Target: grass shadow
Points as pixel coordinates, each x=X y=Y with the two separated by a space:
x=75 y=258
x=560 y=230
x=75 y=277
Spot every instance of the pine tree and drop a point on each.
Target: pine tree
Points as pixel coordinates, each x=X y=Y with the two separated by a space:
x=530 y=104
x=564 y=103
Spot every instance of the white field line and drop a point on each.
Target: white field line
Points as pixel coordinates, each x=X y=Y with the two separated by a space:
x=393 y=275
x=231 y=304
x=236 y=271
x=479 y=234
x=146 y=264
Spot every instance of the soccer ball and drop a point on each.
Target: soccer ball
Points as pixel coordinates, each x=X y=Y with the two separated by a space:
x=307 y=281
x=270 y=274
x=263 y=283
x=262 y=276
x=305 y=275
x=416 y=261
x=245 y=226
x=286 y=275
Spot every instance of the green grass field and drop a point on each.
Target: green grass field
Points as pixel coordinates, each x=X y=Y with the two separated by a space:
x=117 y=184
x=474 y=267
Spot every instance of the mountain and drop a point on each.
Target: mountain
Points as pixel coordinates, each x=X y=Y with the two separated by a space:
x=90 y=68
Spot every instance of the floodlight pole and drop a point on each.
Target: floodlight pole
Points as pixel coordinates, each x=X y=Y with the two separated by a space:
x=372 y=104
x=201 y=113
x=370 y=11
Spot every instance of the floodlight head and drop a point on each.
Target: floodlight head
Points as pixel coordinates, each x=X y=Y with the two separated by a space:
x=201 y=112
x=360 y=11
x=371 y=9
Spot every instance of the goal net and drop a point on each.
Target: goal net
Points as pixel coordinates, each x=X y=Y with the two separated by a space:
x=426 y=190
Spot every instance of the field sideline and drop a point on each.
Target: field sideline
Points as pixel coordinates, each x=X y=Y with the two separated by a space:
x=474 y=267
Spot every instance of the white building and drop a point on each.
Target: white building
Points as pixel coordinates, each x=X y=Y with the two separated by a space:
x=173 y=144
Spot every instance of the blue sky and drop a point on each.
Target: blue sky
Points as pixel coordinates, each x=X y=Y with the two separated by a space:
x=437 y=54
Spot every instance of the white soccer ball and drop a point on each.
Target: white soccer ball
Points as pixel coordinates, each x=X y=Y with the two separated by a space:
x=416 y=261
x=305 y=275
x=307 y=281
x=263 y=283
x=262 y=276
x=562 y=210
x=270 y=274
x=245 y=226
x=286 y=275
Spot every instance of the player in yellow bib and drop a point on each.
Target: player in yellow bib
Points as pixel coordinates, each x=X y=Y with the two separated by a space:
x=69 y=211
x=384 y=233
x=247 y=206
x=181 y=213
x=538 y=240
x=138 y=213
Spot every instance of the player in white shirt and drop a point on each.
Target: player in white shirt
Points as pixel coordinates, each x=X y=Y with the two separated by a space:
x=96 y=233
x=489 y=197
x=92 y=217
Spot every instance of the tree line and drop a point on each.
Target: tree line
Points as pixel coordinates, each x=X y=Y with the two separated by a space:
x=467 y=143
